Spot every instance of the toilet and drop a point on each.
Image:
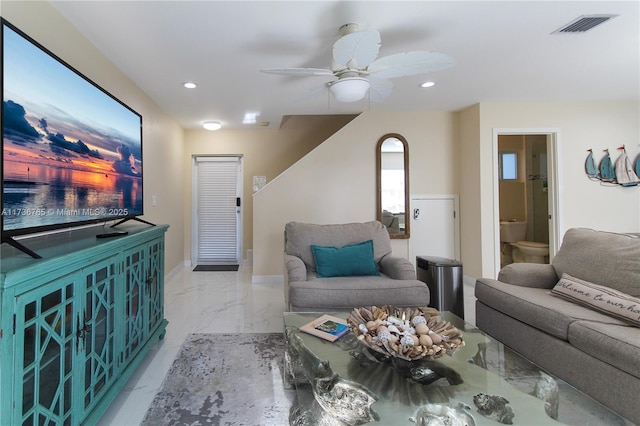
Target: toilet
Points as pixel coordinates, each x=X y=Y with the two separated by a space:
x=515 y=248
x=530 y=252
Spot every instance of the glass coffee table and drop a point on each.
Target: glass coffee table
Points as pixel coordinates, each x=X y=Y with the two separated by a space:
x=482 y=383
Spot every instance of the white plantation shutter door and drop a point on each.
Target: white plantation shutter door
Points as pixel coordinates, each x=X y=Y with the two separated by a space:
x=217 y=212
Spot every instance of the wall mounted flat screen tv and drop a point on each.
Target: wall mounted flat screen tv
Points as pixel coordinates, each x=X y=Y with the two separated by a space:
x=71 y=152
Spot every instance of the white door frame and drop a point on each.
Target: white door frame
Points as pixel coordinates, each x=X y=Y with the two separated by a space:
x=456 y=222
x=556 y=227
x=194 y=205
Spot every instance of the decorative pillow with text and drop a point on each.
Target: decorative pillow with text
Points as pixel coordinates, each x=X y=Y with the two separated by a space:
x=604 y=299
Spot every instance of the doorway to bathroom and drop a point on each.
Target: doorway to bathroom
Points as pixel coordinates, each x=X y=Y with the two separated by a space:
x=526 y=180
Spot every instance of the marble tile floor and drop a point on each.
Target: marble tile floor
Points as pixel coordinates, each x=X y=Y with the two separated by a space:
x=207 y=302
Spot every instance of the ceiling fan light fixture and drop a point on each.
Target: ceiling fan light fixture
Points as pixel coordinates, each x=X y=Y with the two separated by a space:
x=212 y=125
x=350 y=89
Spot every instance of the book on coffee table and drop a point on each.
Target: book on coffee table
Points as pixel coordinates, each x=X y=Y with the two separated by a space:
x=327 y=327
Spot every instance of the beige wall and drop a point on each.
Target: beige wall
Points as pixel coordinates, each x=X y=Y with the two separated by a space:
x=471 y=202
x=265 y=152
x=335 y=182
x=162 y=136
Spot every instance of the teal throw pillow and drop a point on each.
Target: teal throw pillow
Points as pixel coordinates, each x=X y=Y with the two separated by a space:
x=349 y=260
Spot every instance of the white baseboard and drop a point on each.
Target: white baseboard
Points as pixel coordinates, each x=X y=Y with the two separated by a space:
x=267 y=279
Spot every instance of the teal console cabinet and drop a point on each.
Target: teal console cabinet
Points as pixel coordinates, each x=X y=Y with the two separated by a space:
x=75 y=324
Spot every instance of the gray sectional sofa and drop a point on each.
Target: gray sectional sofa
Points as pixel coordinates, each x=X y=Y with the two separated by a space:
x=574 y=339
x=304 y=290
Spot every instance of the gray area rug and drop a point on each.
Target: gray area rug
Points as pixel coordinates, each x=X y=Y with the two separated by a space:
x=224 y=379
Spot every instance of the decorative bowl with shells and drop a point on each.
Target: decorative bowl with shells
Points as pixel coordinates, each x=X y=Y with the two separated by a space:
x=406 y=333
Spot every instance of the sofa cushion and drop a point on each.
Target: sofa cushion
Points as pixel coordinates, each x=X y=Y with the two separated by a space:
x=617 y=345
x=300 y=236
x=603 y=258
x=600 y=298
x=346 y=293
x=536 y=307
x=349 y=260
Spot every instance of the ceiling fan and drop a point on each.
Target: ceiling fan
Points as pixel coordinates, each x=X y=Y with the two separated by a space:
x=358 y=69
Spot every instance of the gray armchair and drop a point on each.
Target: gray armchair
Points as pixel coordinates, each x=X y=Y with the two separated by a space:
x=304 y=290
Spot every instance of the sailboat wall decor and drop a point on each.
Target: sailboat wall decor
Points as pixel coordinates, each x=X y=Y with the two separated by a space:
x=607 y=173
x=622 y=172
x=590 y=166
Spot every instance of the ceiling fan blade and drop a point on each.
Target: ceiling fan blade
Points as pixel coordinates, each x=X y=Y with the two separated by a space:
x=410 y=63
x=379 y=89
x=298 y=71
x=361 y=47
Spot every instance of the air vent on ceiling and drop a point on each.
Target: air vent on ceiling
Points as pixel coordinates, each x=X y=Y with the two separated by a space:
x=583 y=24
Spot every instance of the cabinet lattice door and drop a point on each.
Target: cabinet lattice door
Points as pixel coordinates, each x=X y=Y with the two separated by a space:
x=134 y=315
x=155 y=285
x=97 y=331
x=45 y=353
x=144 y=298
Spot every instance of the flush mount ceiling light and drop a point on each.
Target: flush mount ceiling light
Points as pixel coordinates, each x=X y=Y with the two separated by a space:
x=212 y=125
x=428 y=84
x=349 y=89
x=189 y=84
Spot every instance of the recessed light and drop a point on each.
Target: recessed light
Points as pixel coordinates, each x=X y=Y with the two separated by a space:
x=212 y=125
x=250 y=118
x=428 y=84
x=189 y=85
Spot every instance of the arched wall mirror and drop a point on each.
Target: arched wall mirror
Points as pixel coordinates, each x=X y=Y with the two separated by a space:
x=392 y=184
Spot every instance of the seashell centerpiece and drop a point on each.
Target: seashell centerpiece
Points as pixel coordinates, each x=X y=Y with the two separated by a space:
x=406 y=333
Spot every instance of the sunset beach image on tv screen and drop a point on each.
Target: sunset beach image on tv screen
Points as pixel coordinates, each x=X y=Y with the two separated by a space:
x=71 y=152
